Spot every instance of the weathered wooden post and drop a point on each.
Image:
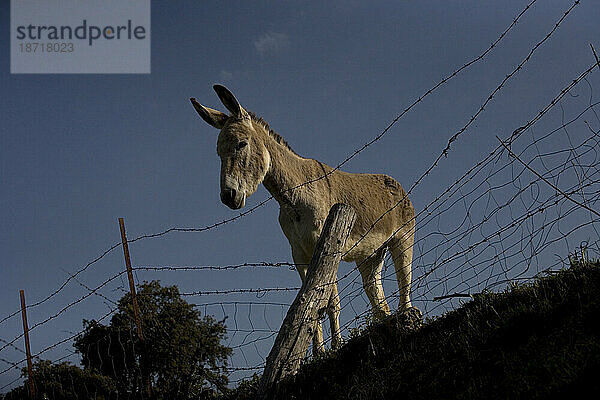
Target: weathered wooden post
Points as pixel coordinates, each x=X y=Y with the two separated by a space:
x=300 y=322
x=27 y=347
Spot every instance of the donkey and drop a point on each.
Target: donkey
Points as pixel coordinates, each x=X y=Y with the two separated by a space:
x=252 y=153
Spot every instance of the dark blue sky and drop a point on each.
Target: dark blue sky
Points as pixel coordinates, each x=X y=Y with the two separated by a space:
x=78 y=151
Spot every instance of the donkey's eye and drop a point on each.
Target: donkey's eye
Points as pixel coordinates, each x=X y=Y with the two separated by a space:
x=241 y=145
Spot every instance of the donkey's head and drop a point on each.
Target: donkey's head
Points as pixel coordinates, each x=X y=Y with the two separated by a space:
x=241 y=146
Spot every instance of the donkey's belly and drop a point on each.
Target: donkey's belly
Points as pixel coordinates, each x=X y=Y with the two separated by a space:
x=303 y=231
x=358 y=248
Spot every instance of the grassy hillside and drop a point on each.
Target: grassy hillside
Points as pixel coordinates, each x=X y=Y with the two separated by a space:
x=538 y=340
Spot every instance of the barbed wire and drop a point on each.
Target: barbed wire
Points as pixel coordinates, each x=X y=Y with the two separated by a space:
x=232 y=291
x=216 y=267
x=252 y=209
x=453 y=138
x=478 y=167
x=64 y=309
x=468 y=239
x=586 y=183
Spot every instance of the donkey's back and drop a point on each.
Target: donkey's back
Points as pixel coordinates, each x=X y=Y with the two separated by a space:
x=384 y=213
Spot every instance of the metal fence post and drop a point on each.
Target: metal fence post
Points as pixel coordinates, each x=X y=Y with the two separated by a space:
x=27 y=347
x=136 y=310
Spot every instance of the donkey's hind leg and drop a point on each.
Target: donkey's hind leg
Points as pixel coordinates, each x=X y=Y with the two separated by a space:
x=370 y=271
x=401 y=247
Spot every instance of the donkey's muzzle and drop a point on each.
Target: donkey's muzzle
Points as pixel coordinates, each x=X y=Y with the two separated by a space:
x=232 y=198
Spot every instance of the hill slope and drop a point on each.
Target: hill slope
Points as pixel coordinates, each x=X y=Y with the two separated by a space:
x=537 y=340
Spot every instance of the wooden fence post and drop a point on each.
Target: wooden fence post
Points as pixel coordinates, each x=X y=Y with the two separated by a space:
x=136 y=309
x=300 y=322
x=27 y=347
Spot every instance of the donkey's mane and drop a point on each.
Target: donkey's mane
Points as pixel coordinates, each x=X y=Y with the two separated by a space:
x=271 y=132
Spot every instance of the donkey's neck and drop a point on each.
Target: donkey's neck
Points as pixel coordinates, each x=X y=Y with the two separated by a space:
x=287 y=172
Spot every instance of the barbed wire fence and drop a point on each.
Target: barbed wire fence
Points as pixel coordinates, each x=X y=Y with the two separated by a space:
x=523 y=210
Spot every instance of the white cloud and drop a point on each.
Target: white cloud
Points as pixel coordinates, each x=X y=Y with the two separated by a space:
x=271 y=42
x=226 y=75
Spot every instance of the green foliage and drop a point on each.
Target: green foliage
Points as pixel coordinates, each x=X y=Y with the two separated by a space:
x=246 y=390
x=535 y=341
x=181 y=352
x=64 y=381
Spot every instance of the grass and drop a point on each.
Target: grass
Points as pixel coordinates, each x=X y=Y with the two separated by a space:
x=533 y=341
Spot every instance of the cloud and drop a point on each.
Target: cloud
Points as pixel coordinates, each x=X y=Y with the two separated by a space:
x=226 y=75
x=271 y=42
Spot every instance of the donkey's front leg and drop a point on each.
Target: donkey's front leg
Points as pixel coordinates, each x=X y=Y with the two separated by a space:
x=333 y=312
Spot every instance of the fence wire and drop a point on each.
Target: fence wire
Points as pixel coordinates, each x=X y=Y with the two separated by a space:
x=526 y=208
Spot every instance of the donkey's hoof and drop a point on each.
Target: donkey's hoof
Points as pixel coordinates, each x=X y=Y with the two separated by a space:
x=410 y=319
x=337 y=343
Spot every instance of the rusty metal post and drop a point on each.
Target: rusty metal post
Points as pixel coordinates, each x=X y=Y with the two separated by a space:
x=136 y=309
x=27 y=347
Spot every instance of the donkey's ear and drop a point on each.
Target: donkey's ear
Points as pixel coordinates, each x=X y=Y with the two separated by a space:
x=229 y=101
x=212 y=117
